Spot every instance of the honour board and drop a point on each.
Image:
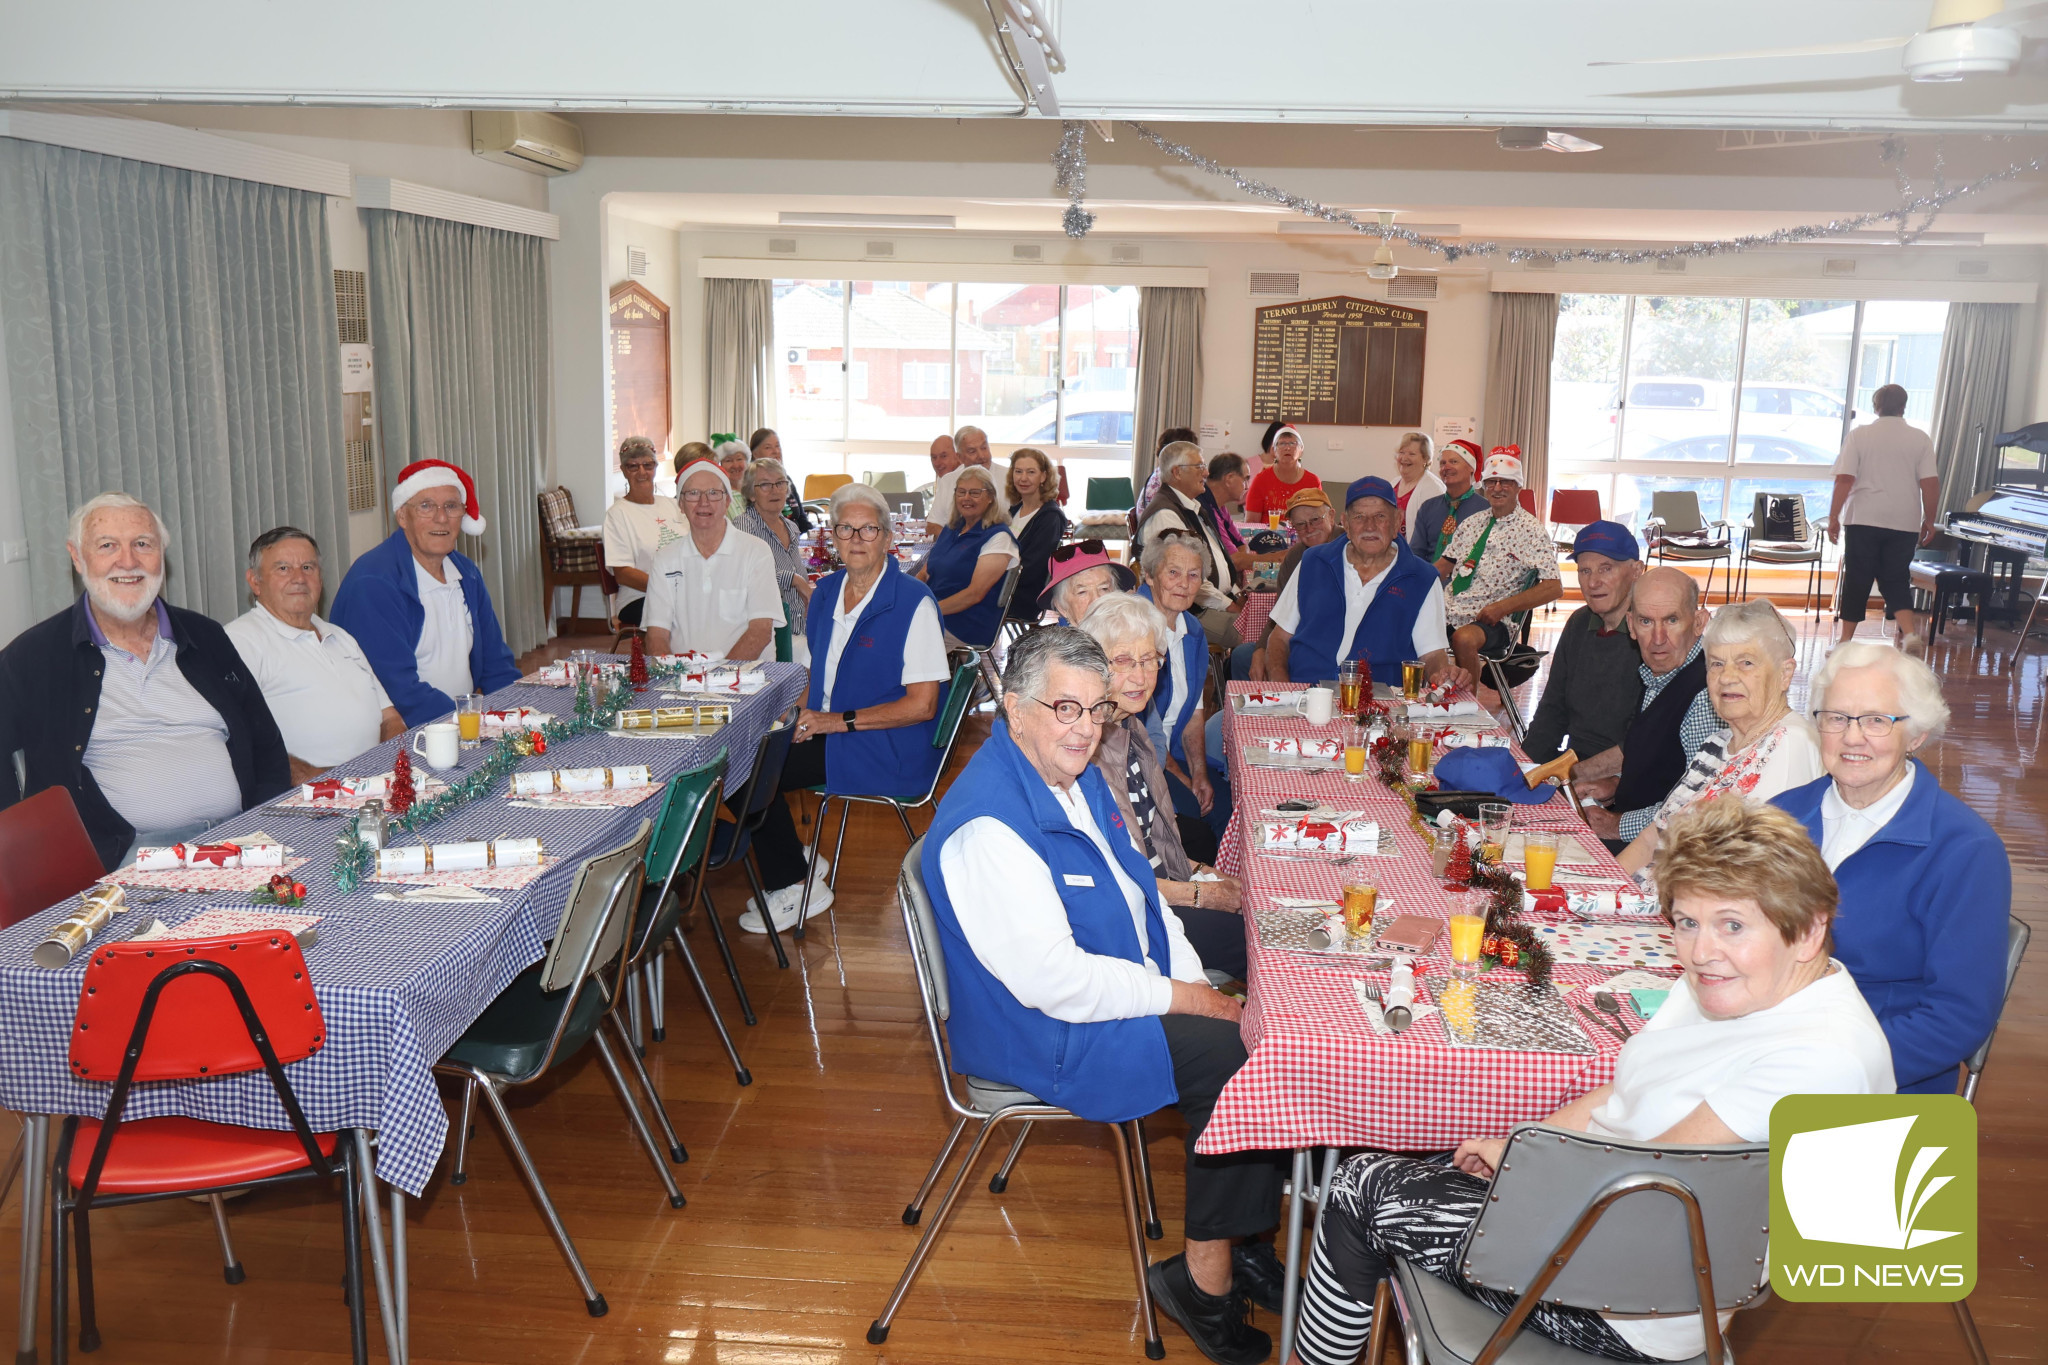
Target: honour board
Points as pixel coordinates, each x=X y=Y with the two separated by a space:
x=1339 y=362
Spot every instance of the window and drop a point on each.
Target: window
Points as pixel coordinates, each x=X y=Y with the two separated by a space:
x=1660 y=394
x=927 y=380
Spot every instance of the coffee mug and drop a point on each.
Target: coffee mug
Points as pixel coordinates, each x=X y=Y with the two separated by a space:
x=1318 y=707
x=443 y=744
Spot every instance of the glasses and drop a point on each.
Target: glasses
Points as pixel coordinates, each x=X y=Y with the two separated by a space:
x=703 y=495
x=1102 y=713
x=1876 y=725
x=1124 y=663
x=638 y=466
x=771 y=484
x=1076 y=547
x=846 y=530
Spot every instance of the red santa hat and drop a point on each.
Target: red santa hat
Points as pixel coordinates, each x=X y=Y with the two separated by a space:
x=417 y=477
x=1464 y=450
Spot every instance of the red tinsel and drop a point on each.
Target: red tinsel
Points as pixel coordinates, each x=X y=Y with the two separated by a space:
x=401 y=798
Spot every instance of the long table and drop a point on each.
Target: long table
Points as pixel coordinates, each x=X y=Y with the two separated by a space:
x=397 y=983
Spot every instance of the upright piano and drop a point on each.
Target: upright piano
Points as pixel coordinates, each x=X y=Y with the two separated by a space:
x=2012 y=526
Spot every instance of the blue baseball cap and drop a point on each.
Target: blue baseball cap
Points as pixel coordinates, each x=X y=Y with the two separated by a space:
x=1492 y=770
x=1608 y=538
x=1371 y=486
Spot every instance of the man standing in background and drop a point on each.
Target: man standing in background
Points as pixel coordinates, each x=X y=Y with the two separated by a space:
x=1886 y=489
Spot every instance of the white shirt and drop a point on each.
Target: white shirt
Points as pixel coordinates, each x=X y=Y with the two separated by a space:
x=924 y=646
x=1177 y=689
x=634 y=532
x=938 y=508
x=1427 y=487
x=1001 y=543
x=1887 y=458
x=1012 y=916
x=1217 y=571
x=446 y=635
x=1844 y=829
x=320 y=688
x=1822 y=1040
x=708 y=603
x=1428 y=636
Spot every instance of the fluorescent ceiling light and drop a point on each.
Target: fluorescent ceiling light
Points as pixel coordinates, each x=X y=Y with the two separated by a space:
x=866 y=220
x=1316 y=228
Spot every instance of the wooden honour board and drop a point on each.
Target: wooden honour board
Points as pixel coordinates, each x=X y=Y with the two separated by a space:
x=639 y=359
x=1339 y=362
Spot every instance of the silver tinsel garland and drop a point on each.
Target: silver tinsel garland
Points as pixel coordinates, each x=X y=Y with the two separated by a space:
x=1070 y=163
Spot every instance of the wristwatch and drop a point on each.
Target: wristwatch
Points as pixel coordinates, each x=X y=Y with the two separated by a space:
x=847 y=716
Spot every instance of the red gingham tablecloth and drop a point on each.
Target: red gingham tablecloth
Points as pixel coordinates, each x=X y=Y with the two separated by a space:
x=1318 y=1075
x=1251 y=617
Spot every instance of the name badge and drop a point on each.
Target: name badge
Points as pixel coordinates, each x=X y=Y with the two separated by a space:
x=1076 y=879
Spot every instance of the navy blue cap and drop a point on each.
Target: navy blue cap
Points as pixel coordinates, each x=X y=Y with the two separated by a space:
x=1608 y=538
x=1491 y=770
x=1371 y=486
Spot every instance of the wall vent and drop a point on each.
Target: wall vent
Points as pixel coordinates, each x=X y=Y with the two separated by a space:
x=636 y=263
x=881 y=249
x=1838 y=265
x=782 y=246
x=351 y=306
x=1026 y=251
x=1406 y=286
x=1281 y=284
x=1539 y=263
x=1973 y=267
x=1126 y=253
x=1672 y=265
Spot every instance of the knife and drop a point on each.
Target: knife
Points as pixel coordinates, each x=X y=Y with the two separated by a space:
x=1595 y=1019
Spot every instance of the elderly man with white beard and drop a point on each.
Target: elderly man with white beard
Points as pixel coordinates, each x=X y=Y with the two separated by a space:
x=143 y=711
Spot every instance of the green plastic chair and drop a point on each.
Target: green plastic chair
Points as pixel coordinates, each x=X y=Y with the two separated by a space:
x=1111 y=494
x=951 y=714
x=546 y=1016
x=784 y=651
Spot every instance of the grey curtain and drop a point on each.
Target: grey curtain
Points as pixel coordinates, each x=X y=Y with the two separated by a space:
x=1969 y=396
x=1169 y=371
x=1518 y=382
x=739 y=337
x=459 y=320
x=170 y=335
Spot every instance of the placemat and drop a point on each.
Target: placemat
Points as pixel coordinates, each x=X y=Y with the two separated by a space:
x=496 y=878
x=208 y=878
x=1611 y=945
x=1508 y=1016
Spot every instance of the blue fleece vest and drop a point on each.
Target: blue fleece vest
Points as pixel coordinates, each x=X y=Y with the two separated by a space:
x=1110 y=1071
x=1386 y=635
x=899 y=762
x=1194 y=661
x=949 y=568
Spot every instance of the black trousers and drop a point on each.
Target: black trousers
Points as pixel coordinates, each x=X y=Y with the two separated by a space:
x=1876 y=553
x=1217 y=936
x=629 y=615
x=777 y=848
x=1227 y=1196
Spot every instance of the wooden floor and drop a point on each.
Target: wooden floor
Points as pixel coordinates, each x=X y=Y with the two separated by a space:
x=793 y=1237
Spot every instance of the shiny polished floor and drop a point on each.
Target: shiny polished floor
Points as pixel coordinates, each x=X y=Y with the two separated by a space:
x=792 y=1237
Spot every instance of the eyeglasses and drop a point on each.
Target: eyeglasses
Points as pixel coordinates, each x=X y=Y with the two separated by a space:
x=846 y=530
x=1876 y=725
x=1076 y=547
x=1068 y=711
x=638 y=466
x=703 y=495
x=1150 y=663
x=771 y=484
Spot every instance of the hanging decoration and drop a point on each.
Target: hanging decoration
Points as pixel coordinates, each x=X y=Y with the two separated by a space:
x=1913 y=216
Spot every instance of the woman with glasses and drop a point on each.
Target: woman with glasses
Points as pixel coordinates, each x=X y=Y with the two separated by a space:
x=1172 y=569
x=1133 y=633
x=1032 y=488
x=637 y=526
x=966 y=565
x=764 y=488
x=878 y=657
x=1926 y=884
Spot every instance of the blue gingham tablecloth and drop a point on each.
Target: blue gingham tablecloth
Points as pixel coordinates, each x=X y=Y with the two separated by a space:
x=397 y=983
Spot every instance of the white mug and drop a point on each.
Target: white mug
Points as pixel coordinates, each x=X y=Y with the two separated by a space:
x=444 y=744
x=1320 y=702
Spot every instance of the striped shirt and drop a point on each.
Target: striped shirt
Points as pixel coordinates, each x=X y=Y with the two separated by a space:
x=159 y=751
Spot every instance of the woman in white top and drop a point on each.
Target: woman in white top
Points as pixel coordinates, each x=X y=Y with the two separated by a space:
x=1766 y=749
x=637 y=526
x=1761 y=1012
x=1414 y=483
x=967 y=562
x=1032 y=489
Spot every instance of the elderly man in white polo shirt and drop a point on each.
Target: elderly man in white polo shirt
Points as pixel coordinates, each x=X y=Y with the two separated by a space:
x=320 y=688
x=714 y=590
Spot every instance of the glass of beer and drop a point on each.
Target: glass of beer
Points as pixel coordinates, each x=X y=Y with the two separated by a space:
x=1361 y=896
x=1468 y=936
x=1354 y=752
x=1493 y=830
x=1411 y=678
x=469 y=719
x=1421 y=750
x=1539 y=855
x=1349 y=684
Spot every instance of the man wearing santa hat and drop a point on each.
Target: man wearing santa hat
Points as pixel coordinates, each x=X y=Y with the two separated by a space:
x=418 y=606
x=1439 y=518
x=1497 y=565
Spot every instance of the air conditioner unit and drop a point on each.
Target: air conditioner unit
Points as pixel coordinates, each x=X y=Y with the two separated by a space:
x=528 y=139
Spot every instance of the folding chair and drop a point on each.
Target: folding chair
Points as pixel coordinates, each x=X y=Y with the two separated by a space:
x=2016 y=935
x=1801 y=543
x=731 y=842
x=45 y=855
x=1677 y=533
x=180 y=1011
x=990 y=679
x=988 y=1103
x=1510 y=668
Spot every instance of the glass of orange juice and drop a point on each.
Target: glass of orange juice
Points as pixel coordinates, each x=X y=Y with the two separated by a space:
x=1468 y=936
x=1539 y=855
x=1361 y=898
x=469 y=719
x=1273 y=518
x=1354 y=752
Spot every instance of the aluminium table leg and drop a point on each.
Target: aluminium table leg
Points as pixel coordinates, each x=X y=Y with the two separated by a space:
x=35 y=1187
x=1290 y=1295
x=401 y=1296
x=379 y=1266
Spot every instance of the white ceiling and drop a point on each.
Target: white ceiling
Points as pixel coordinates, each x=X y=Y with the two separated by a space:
x=1363 y=61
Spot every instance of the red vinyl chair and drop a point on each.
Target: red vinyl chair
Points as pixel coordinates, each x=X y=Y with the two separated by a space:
x=45 y=855
x=1528 y=501
x=160 y=1011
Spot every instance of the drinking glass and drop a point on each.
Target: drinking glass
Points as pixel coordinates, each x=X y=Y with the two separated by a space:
x=1354 y=752
x=1421 y=750
x=1348 y=686
x=1361 y=897
x=1411 y=678
x=1272 y=519
x=1493 y=830
x=469 y=718
x=1468 y=936
x=1539 y=855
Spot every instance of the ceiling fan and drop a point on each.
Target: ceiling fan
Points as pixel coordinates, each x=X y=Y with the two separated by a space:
x=1963 y=38
x=1383 y=267
x=1507 y=139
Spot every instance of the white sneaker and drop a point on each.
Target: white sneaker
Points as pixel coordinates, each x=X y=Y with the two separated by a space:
x=1915 y=645
x=785 y=903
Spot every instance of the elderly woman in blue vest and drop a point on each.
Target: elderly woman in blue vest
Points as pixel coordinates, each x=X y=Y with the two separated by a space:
x=1365 y=596
x=1172 y=567
x=966 y=565
x=1926 y=884
x=878 y=657
x=1069 y=981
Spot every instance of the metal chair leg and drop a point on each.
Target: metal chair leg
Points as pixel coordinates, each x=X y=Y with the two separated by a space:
x=232 y=1271
x=739 y=1068
x=639 y=1120
x=592 y=1300
x=1968 y=1323
x=1000 y=1181
x=657 y=998
x=676 y=1151
x=1140 y=1262
x=1152 y=1228
x=904 y=816
x=803 y=907
x=878 y=1330
x=464 y=1128
x=768 y=921
x=914 y=1210
x=732 y=968
x=636 y=1036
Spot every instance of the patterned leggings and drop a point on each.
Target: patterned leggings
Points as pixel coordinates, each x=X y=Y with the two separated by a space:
x=1421 y=1211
